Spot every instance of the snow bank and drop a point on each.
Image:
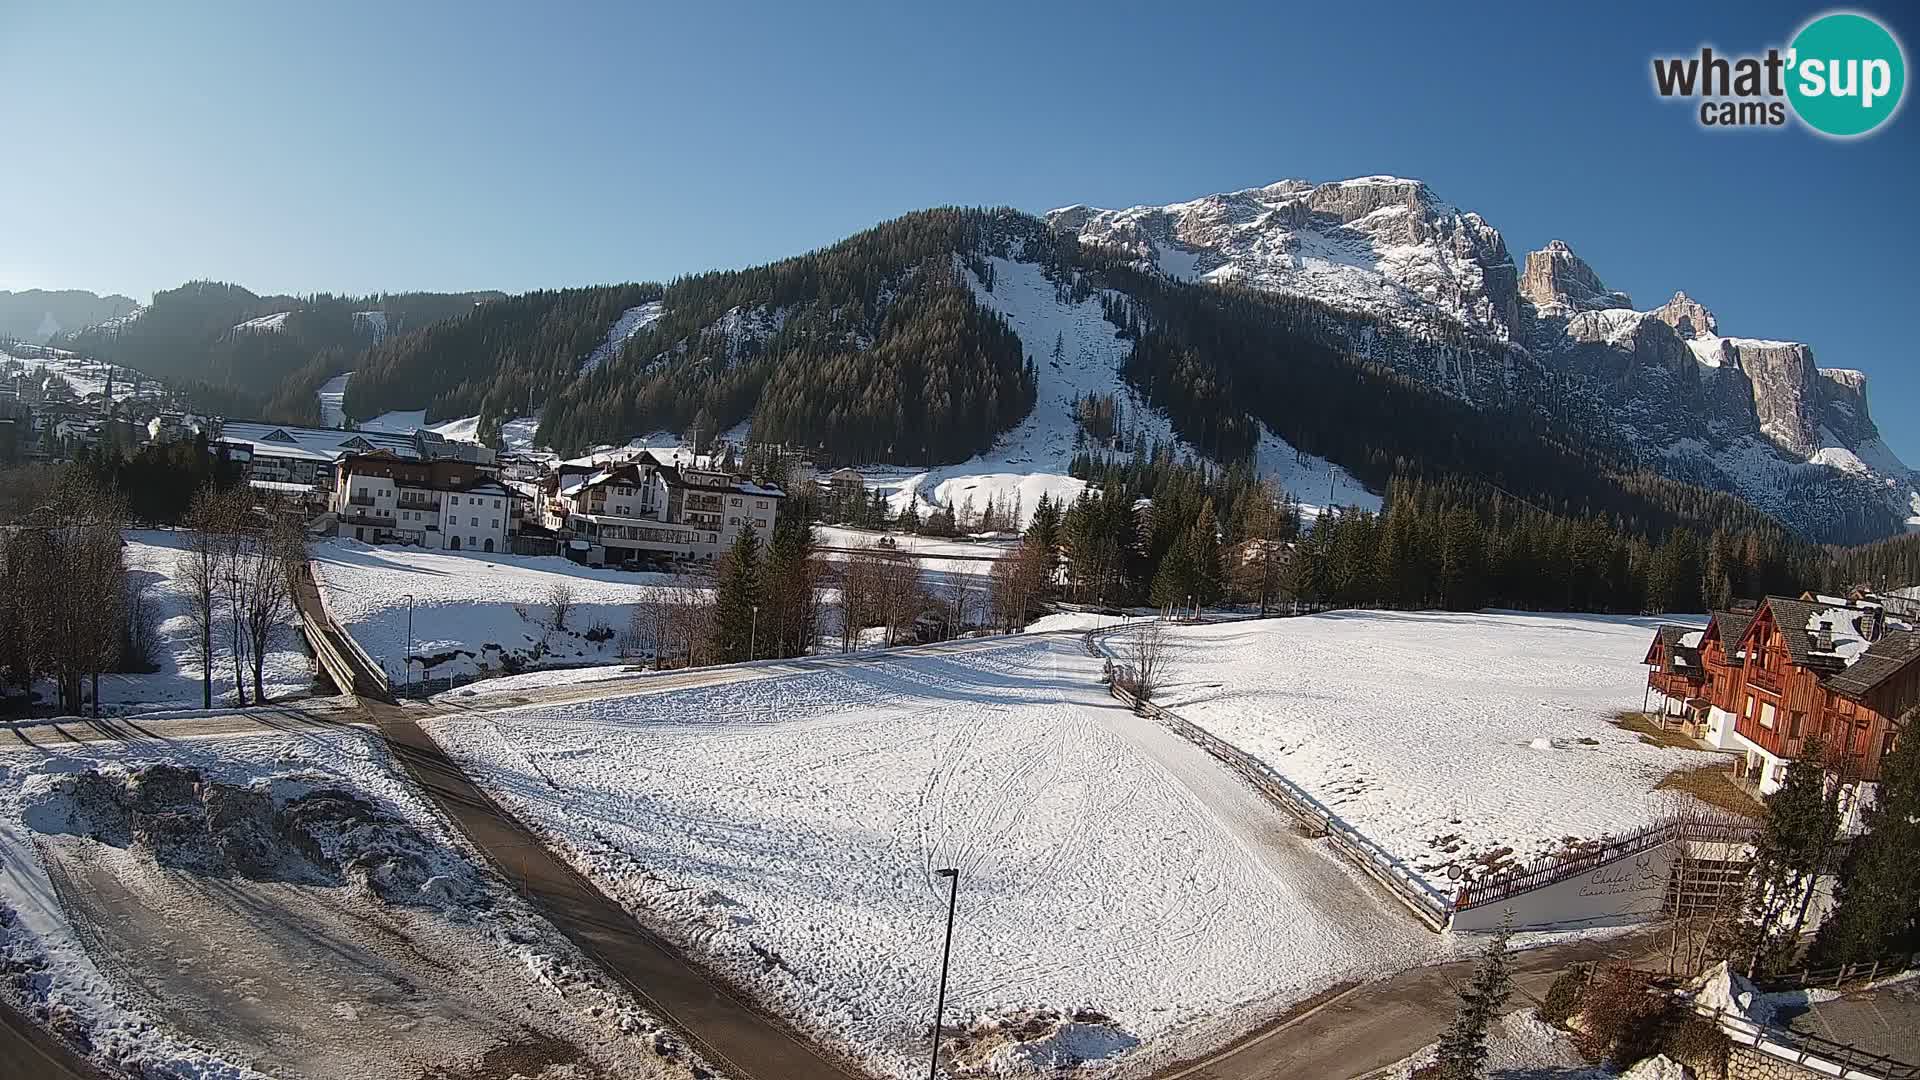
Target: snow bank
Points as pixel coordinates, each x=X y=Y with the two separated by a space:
x=263 y=817
x=1446 y=738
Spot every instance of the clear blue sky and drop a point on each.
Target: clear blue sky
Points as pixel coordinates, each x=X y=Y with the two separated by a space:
x=367 y=147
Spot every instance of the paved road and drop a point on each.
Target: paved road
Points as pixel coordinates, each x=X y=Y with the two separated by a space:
x=1371 y=1026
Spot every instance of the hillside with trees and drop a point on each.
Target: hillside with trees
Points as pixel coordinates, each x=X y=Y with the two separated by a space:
x=196 y=338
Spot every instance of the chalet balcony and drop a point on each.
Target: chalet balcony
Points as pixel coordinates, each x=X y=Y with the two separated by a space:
x=360 y=500
x=1763 y=680
x=417 y=502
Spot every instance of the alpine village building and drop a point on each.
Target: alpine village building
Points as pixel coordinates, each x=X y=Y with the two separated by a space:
x=1763 y=678
x=443 y=503
x=640 y=511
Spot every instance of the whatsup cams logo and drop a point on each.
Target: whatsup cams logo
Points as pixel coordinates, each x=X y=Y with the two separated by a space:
x=1843 y=75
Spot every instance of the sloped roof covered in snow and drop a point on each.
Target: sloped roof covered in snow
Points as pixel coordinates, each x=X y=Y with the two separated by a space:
x=1881 y=661
x=1678 y=648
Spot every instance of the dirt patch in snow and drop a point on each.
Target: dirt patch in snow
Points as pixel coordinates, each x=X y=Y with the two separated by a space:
x=300 y=928
x=1033 y=1042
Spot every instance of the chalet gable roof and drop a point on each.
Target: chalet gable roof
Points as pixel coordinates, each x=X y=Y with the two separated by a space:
x=1892 y=654
x=1730 y=627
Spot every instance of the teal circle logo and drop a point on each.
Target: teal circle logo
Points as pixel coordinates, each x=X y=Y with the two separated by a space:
x=1848 y=74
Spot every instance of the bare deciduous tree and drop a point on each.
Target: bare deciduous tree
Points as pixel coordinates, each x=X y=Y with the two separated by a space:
x=1148 y=652
x=559 y=604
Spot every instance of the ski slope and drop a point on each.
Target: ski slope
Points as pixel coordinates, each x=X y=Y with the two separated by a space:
x=1444 y=737
x=787 y=831
x=1032 y=459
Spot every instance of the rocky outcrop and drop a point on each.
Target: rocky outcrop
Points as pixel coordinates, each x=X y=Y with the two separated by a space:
x=1558 y=282
x=1785 y=394
x=1637 y=338
x=1687 y=317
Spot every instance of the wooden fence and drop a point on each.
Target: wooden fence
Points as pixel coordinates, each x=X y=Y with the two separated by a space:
x=1370 y=858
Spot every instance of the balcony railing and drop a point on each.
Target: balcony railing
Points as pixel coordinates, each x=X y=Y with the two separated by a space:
x=1762 y=679
x=360 y=500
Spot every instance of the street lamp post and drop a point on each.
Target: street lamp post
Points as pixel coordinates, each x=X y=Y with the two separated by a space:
x=946 y=954
x=409 y=657
x=753 y=635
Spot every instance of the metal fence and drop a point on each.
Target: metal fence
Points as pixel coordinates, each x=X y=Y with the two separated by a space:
x=1543 y=872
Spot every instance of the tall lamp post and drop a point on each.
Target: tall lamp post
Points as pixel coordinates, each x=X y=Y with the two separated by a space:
x=753 y=635
x=409 y=657
x=946 y=954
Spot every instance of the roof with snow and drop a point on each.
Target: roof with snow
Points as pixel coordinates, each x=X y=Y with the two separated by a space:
x=1879 y=662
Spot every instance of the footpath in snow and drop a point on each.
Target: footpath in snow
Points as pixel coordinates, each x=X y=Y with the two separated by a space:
x=1445 y=737
x=1119 y=892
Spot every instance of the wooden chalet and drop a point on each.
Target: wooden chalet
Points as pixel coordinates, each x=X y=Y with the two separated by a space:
x=1789 y=670
x=1676 y=671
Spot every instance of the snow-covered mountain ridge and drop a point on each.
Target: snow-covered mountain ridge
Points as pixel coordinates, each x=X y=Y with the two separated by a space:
x=1755 y=417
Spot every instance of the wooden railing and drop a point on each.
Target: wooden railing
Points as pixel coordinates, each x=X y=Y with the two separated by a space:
x=1544 y=872
x=1429 y=906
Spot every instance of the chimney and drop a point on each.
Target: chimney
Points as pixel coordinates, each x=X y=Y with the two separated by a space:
x=1823 y=641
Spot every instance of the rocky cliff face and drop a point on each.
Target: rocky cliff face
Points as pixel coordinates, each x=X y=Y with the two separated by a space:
x=1558 y=282
x=1755 y=417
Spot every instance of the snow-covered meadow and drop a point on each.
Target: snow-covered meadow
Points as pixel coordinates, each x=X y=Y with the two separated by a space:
x=471 y=610
x=1117 y=888
x=151 y=557
x=278 y=904
x=1444 y=737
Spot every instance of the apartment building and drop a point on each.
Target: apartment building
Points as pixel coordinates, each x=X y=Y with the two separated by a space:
x=446 y=504
x=640 y=511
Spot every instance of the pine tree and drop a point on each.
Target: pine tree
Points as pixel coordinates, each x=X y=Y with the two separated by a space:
x=787 y=587
x=1203 y=550
x=1878 y=906
x=736 y=594
x=1173 y=583
x=1463 y=1048
x=1043 y=530
x=1803 y=818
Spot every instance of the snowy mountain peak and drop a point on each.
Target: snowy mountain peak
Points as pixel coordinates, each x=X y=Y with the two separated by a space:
x=1381 y=244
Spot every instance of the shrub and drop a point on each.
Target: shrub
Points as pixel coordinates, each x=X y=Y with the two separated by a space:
x=1699 y=1044
x=1624 y=1017
x=1563 y=997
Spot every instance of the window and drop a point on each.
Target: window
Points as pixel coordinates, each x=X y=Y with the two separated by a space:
x=1794 y=720
x=736 y=502
x=760 y=524
x=472 y=540
x=496 y=523
x=759 y=504
x=453 y=500
x=1750 y=703
x=496 y=502
x=475 y=522
x=1766 y=715
x=1779 y=771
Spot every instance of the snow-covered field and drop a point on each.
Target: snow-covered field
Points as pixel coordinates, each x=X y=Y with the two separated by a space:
x=288 y=907
x=467 y=608
x=151 y=557
x=1116 y=887
x=1442 y=736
